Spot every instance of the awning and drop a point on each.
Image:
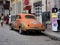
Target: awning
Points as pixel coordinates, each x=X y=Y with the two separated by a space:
x=27 y=8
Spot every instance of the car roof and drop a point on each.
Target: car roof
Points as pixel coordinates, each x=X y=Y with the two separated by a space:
x=26 y=14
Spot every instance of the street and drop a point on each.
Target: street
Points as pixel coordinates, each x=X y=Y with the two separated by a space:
x=30 y=15
x=9 y=37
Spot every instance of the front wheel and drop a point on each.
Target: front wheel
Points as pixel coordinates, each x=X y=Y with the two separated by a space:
x=20 y=31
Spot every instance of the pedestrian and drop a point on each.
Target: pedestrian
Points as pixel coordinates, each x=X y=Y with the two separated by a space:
x=2 y=19
x=58 y=18
x=7 y=19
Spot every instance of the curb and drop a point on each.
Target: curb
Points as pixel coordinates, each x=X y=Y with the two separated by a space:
x=52 y=36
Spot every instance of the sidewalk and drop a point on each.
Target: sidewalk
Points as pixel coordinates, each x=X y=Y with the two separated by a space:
x=51 y=34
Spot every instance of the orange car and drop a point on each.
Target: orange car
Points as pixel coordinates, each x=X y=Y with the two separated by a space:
x=26 y=22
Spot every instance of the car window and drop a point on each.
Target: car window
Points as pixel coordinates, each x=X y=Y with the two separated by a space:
x=13 y=18
x=18 y=17
x=30 y=17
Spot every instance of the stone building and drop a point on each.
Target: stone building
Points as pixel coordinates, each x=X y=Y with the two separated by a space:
x=36 y=7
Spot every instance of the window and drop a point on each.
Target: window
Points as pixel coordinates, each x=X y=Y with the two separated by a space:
x=18 y=17
x=30 y=17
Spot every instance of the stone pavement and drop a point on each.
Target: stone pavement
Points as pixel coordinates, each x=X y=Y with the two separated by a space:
x=10 y=37
x=51 y=34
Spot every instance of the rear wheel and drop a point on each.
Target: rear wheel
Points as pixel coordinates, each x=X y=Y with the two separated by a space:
x=20 y=31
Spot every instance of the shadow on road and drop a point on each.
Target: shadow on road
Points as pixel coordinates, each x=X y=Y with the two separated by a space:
x=31 y=33
x=34 y=34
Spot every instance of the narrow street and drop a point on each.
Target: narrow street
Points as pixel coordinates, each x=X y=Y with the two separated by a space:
x=9 y=37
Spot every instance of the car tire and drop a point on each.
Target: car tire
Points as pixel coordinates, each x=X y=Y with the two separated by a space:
x=39 y=31
x=20 y=31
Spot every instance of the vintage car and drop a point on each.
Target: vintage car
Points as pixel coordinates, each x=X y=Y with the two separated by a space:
x=26 y=22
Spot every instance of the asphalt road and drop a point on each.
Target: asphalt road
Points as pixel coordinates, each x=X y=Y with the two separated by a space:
x=9 y=37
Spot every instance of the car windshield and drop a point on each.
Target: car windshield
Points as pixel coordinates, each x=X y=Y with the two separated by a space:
x=30 y=17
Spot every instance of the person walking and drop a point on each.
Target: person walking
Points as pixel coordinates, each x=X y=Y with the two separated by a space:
x=58 y=18
x=2 y=19
x=7 y=19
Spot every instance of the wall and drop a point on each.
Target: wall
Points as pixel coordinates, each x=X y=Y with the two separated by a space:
x=50 y=5
x=1 y=11
x=36 y=9
x=57 y=3
x=43 y=5
x=13 y=7
x=16 y=7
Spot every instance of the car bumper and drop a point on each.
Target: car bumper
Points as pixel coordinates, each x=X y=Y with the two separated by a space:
x=35 y=29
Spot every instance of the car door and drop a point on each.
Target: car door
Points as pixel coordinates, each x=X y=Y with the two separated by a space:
x=17 y=21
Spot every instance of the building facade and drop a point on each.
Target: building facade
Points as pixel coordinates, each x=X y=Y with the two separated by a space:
x=1 y=8
x=4 y=7
x=16 y=7
x=52 y=4
x=57 y=3
x=34 y=6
